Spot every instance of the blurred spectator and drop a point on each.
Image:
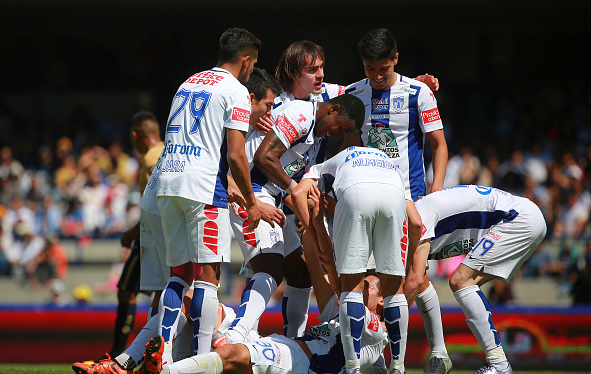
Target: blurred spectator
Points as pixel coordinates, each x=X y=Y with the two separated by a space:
x=500 y=292
x=539 y=263
x=580 y=278
x=26 y=247
x=512 y=174
x=50 y=264
x=93 y=198
x=48 y=218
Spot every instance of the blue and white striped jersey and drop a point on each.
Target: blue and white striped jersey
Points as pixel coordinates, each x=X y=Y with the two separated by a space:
x=455 y=217
x=396 y=121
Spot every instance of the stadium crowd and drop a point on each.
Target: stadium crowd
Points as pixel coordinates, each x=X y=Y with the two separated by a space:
x=73 y=186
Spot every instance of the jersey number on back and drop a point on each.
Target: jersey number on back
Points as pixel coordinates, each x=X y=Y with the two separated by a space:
x=198 y=102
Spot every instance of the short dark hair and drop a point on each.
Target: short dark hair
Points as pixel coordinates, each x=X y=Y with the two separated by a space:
x=138 y=119
x=351 y=108
x=294 y=58
x=261 y=82
x=377 y=45
x=235 y=43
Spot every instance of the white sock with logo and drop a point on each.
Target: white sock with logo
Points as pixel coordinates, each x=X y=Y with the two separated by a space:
x=208 y=363
x=296 y=302
x=428 y=304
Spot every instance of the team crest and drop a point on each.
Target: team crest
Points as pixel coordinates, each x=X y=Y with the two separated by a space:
x=398 y=103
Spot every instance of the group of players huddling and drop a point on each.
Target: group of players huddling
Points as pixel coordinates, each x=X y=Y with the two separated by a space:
x=238 y=138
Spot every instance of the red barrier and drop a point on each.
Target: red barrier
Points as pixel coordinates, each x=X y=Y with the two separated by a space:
x=532 y=338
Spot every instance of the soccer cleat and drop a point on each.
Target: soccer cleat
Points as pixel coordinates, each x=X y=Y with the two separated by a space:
x=153 y=356
x=438 y=365
x=220 y=342
x=489 y=368
x=106 y=366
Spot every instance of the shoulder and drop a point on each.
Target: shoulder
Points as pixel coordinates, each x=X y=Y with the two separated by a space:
x=358 y=87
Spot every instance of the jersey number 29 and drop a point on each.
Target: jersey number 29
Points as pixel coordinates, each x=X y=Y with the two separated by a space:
x=198 y=102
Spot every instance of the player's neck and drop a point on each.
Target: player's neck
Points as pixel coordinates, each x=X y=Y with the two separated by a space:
x=234 y=69
x=299 y=93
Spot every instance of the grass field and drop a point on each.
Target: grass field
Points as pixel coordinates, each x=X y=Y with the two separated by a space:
x=66 y=369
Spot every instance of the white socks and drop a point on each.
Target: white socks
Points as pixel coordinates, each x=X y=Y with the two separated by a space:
x=479 y=319
x=209 y=363
x=352 y=320
x=296 y=302
x=171 y=302
x=396 y=318
x=183 y=342
x=204 y=314
x=428 y=304
x=255 y=297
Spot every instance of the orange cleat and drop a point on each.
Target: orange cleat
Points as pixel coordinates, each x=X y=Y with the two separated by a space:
x=153 y=356
x=106 y=366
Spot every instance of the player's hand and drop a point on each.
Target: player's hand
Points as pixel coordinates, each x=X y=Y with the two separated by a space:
x=271 y=214
x=429 y=80
x=254 y=216
x=317 y=210
x=235 y=196
x=127 y=238
x=264 y=124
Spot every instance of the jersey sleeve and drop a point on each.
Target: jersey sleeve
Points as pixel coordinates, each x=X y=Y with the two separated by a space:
x=315 y=172
x=430 y=119
x=291 y=124
x=238 y=110
x=429 y=218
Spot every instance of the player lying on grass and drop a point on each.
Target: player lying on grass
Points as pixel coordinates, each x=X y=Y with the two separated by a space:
x=497 y=231
x=320 y=351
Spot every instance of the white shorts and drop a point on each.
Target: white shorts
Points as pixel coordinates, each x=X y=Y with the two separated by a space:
x=194 y=232
x=371 y=217
x=263 y=239
x=507 y=245
x=277 y=354
x=154 y=273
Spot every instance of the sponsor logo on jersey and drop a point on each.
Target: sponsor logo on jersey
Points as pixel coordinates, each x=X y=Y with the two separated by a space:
x=319 y=330
x=173 y=166
x=379 y=104
x=239 y=114
x=287 y=129
x=398 y=103
x=494 y=235
x=355 y=154
x=296 y=165
x=205 y=78
x=181 y=149
x=374 y=323
x=379 y=116
x=460 y=247
x=383 y=139
x=384 y=164
x=430 y=115
x=410 y=91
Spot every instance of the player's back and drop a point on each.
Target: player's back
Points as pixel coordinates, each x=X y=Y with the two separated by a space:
x=193 y=162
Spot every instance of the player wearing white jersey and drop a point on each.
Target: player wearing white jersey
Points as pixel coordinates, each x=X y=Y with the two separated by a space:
x=400 y=112
x=320 y=351
x=498 y=232
x=204 y=135
x=370 y=217
x=282 y=153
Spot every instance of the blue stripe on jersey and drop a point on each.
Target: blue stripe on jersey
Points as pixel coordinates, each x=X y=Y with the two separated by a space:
x=321 y=151
x=380 y=104
x=416 y=172
x=220 y=196
x=468 y=220
x=258 y=179
x=332 y=362
x=328 y=182
x=324 y=95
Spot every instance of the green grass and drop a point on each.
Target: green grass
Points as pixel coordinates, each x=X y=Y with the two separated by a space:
x=67 y=369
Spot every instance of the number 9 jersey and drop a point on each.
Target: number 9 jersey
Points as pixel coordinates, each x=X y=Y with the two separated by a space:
x=194 y=164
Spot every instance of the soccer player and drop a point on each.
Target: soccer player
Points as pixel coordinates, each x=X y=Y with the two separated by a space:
x=205 y=134
x=370 y=217
x=318 y=351
x=279 y=155
x=498 y=232
x=301 y=74
x=400 y=112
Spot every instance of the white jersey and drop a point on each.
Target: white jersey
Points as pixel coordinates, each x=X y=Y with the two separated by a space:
x=194 y=164
x=294 y=126
x=455 y=217
x=329 y=91
x=357 y=165
x=396 y=120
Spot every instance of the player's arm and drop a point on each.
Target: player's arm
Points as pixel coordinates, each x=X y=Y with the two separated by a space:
x=128 y=236
x=269 y=213
x=267 y=158
x=415 y=228
x=439 y=148
x=299 y=200
x=241 y=173
x=415 y=270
